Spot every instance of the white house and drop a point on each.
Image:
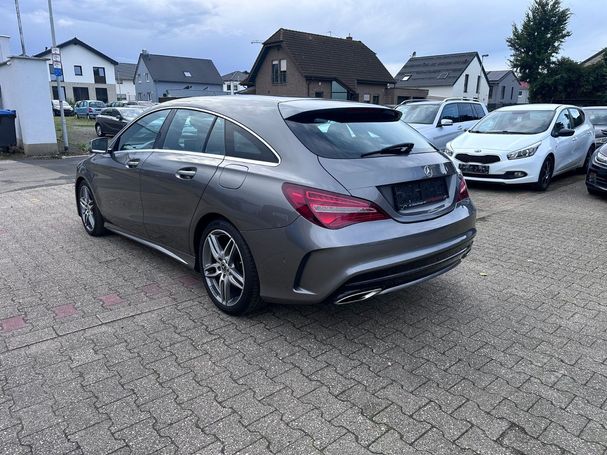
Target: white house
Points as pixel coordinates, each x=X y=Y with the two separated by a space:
x=87 y=73
x=23 y=89
x=231 y=81
x=125 y=82
x=448 y=75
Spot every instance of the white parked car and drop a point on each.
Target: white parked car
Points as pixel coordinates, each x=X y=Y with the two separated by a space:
x=524 y=144
x=67 y=109
x=442 y=121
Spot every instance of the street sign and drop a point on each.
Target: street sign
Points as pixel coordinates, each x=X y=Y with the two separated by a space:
x=58 y=72
x=55 y=50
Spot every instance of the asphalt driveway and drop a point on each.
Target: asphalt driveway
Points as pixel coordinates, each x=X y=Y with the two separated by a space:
x=109 y=347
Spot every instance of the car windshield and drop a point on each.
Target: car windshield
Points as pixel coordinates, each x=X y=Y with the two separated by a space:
x=597 y=116
x=419 y=113
x=354 y=132
x=514 y=122
x=130 y=113
x=96 y=104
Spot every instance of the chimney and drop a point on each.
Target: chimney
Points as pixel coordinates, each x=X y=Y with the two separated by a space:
x=413 y=54
x=349 y=37
x=5 y=48
x=144 y=52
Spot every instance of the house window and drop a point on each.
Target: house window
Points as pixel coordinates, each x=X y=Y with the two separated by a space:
x=406 y=77
x=149 y=96
x=520 y=93
x=139 y=77
x=338 y=92
x=279 y=71
x=511 y=92
x=187 y=74
x=51 y=70
x=147 y=77
x=319 y=94
x=443 y=75
x=503 y=91
x=466 y=77
x=99 y=74
x=366 y=98
x=478 y=84
x=77 y=70
x=490 y=91
x=375 y=99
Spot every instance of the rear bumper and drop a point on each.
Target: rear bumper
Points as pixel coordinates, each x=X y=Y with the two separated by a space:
x=304 y=263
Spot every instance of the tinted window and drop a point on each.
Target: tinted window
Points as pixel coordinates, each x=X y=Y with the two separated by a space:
x=577 y=117
x=188 y=131
x=563 y=121
x=480 y=113
x=143 y=133
x=515 y=122
x=97 y=104
x=216 y=144
x=597 y=116
x=242 y=144
x=450 y=112
x=466 y=112
x=350 y=133
x=419 y=113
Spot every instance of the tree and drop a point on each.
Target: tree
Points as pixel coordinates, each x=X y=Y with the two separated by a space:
x=538 y=40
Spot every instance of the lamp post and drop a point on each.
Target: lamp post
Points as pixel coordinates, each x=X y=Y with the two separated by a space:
x=58 y=74
x=20 y=27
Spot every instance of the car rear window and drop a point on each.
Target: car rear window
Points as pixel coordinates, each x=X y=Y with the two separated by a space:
x=96 y=104
x=347 y=133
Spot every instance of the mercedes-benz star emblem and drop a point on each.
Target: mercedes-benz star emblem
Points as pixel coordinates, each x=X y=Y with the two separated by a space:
x=428 y=171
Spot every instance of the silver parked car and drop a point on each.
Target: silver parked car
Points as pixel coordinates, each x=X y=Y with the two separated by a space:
x=598 y=117
x=281 y=199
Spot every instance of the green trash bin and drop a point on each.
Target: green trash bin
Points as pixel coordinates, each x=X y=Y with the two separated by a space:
x=8 y=136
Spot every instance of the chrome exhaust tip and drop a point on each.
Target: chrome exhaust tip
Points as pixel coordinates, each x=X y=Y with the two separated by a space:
x=358 y=297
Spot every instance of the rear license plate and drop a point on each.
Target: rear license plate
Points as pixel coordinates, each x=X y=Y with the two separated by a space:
x=412 y=194
x=474 y=168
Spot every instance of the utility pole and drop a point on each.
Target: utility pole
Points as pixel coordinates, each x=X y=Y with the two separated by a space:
x=55 y=53
x=20 y=27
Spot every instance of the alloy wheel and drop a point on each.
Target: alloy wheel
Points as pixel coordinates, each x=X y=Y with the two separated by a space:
x=87 y=204
x=223 y=268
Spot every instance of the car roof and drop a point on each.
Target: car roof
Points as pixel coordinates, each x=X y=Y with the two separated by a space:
x=594 y=107
x=534 y=107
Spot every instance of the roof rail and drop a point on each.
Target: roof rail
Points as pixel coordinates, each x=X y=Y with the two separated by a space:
x=414 y=100
x=461 y=98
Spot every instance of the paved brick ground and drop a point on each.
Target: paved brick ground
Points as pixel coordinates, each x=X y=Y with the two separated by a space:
x=109 y=347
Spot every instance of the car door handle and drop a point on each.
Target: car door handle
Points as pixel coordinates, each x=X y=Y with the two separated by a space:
x=133 y=163
x=186 y=173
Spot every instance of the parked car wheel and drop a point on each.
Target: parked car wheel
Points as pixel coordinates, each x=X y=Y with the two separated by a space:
x=98 y=130
x=588 y=158
x=228 y=269
x=89 y=212
x=545 y=176
x=90 y=117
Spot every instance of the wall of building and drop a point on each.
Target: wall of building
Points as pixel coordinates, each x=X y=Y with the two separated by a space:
x=511 y=89
x=296 y=84
x=523 y=97
x=125 y=90
x=371 y=90
x=457 y=90
x=178 y=90
x=145 y=89
x=237 y=87
x=24 y=88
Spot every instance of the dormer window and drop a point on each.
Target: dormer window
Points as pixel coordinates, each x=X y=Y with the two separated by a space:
x=187 y=74
x=406 y=77
x=443 y=75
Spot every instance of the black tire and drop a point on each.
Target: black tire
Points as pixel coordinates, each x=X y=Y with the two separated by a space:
x=91 y=217
x=218 y=267
x=545 y=177
x=584 y=167
x=98 y=130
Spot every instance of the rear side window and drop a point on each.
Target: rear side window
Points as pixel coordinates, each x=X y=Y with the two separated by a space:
x=348 y=133
x=577 y=117
x=480 y=113
x=466 y=112
x=143 y=133
x=216 y=145
x=242 y=144
x=188 y=131
x=450 y=112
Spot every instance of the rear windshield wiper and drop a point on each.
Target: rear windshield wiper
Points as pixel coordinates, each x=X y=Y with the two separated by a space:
x=396 y=149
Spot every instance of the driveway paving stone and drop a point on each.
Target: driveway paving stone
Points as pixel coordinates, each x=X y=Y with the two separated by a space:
x=110 y=347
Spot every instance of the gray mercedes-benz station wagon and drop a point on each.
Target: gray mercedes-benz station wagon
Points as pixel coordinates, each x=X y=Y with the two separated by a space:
x=281 y=199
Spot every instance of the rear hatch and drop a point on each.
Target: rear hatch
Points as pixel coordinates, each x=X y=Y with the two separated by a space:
x=378 y=158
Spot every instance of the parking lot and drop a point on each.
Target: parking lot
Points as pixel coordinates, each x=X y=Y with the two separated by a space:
x=110 y=347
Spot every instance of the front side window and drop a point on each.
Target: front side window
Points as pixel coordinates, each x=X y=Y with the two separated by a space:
x=450 y=112
x=577 y=117
x=143 y=133
x=563 y=121
x=188 y=131
x=514 y=122
x=419 y=113
x=348 y=133
x=242 y=144
x=216 y=144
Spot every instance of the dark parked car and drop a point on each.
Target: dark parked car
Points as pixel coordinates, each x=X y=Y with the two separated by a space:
x=596 y=177
x=113 y=119
x=281 y=199
x=598 y=117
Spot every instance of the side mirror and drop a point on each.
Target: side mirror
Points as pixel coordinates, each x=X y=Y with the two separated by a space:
x=445 y=122
x=99 y=145
x=565 y=132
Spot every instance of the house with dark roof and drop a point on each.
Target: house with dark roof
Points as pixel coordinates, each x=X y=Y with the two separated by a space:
x=232 y=81
x=594 y=58
x=447 y=75
x=293 y=63
x=164 y=77
x=88 y=73
x=504 y=87
x=125 y=81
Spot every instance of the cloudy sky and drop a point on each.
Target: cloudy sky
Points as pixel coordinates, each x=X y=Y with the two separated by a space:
x=226 y=30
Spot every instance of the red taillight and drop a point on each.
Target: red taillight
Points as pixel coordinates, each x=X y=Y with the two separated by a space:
x=90 y=109
x=462 y=191
x=331 y=210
